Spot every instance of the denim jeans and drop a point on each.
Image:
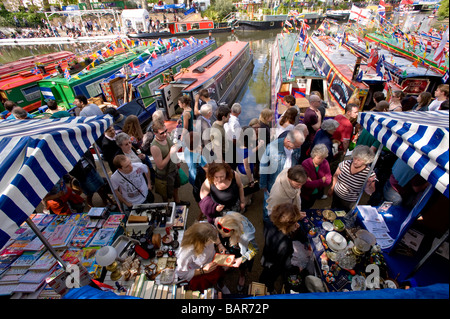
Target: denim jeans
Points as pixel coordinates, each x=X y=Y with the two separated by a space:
x=391 y=195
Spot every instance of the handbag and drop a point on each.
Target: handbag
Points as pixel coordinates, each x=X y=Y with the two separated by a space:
x=251 y=188
x=184 y=179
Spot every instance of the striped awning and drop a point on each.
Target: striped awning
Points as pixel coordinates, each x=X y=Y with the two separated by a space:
x=34 y=155
x=421 y=139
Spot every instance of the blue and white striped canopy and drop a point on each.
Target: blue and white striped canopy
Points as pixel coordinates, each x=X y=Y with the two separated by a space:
x=34 y=155
x=421 y=139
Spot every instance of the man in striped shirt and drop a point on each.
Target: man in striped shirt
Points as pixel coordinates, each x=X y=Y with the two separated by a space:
x=348 y=180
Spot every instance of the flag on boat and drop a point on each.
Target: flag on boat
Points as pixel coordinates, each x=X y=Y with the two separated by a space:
x=35 y=70
x=361 y=16
x=373 y=58
x=381 y=10
x=445 y=77
x=67 y=74
x=439 y=54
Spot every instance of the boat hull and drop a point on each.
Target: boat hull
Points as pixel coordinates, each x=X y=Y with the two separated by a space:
x=166 y=34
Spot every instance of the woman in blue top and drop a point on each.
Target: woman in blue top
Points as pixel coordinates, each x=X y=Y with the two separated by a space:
x=196 y=163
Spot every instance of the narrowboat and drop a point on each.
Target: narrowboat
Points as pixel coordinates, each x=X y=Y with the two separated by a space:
x=339 y=15
x=413 y=79
x=22 y=86
x=223 y=73
x=148 y=77
x=408 y=48
x=346 y=75
x=27 y=63
x=292 y=73
x=270 y=22
x=64 y=89
x=184 y=29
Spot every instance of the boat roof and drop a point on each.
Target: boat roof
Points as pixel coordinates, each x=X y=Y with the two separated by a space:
x=18 y=80
x=302 y=66
x=162 y=62
x=402 y=63
x=227 y=52
x=339 y=57
x=30 y=61
x=114 y=61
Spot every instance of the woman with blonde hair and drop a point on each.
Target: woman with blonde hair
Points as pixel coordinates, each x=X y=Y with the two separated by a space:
x=133 y=128
x=195 y=261
x=237 y=237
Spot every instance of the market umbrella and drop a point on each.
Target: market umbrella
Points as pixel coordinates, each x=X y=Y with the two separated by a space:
x=34 y=155
x=420 y=139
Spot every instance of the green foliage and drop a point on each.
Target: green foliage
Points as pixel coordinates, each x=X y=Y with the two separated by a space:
x=219 y=9
x=443 y=9
x=34 y=19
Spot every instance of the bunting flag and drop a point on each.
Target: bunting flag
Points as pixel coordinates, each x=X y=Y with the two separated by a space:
x=380 y=67
x=131 y=65
x=36 y=70
x=160 y=42
x=149 y=62
x=445 y=77
x=154 y=55
x=288 y=23
x=360 y=76
x=67 y=74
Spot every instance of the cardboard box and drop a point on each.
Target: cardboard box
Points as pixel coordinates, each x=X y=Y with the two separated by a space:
x=143 y=226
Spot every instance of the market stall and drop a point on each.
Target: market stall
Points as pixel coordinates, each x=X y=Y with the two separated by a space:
x=421 y=140
x=35 y=154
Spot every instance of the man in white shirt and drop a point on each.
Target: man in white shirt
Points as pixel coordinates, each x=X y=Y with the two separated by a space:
x=86 y=109
x=233 y=127
x=129 y=183
x=441 y=94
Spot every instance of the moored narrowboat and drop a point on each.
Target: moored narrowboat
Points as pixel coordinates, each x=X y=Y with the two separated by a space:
x=292 y=73
x=150 y=75
x=63 y=89
x=185 y=29
x=223 y=73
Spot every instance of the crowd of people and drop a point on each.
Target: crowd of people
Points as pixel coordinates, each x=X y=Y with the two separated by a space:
x=293 y=164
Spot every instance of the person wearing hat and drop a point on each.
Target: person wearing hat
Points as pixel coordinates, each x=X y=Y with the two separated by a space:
x=119 y=119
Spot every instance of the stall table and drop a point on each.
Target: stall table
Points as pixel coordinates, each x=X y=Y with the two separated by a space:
x=331 y=263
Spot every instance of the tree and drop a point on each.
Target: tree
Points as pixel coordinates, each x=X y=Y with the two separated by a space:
x=443 y=9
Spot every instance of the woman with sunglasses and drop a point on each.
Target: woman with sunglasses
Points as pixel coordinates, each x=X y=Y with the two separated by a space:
x=237 y=237
x=222 y=191
x=195 y=260
x=278 y=244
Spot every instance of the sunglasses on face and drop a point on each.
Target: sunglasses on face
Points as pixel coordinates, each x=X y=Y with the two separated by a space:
x=163 y=132
x=224 y=229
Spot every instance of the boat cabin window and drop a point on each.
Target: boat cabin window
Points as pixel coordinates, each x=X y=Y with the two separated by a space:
x=182 y=27
x=195 y=26
x=31 y=93
x=272 y=24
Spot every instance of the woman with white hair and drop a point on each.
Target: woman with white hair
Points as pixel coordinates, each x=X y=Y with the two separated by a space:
x=319 y=176
x=323 y=136
x=348 y=180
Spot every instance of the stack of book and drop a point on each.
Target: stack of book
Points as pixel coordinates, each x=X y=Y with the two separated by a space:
x=149 y=289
